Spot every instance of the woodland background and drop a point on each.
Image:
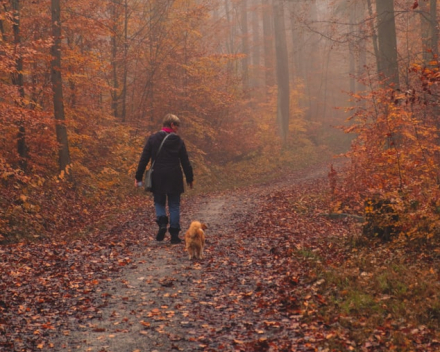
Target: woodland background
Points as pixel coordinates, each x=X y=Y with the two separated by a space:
x=259 y=85
x=262 y=87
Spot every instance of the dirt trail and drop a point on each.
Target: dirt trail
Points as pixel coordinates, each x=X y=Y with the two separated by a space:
x=165 y=302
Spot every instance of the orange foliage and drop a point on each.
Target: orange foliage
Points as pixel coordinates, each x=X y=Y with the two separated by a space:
x=395 y=155
x=170 y=65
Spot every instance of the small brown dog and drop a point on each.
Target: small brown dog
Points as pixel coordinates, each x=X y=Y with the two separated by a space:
x=195 y=239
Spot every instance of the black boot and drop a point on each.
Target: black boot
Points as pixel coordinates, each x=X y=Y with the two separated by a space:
x=175 y=236
x=162 y=221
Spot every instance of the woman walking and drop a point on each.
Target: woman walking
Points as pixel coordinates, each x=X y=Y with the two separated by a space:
x=167 y=177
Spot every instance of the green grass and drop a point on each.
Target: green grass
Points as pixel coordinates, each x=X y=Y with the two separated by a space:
x=307 y=254
x=359 y=303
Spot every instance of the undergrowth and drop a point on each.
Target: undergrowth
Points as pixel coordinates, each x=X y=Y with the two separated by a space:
x=369 y=294
x=382 y=292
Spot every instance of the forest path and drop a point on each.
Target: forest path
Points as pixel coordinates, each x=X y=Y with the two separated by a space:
x=163 y=301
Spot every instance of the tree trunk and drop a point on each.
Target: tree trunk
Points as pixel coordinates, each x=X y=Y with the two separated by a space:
x=57 y=88
x=386 y=31
x=374 y=37
x=362 y=62
x=425 y=31
x=434 y=27
x=256 y=82
x=297 y=43
x=282 y=69
x=245 y=45
x=72 y=86
x=429 y=32
x=17 y=80
x=125 y=63
x=114 y=44
x=268 y=43
x=230 y=41
x=312 y=64
x=351 y=49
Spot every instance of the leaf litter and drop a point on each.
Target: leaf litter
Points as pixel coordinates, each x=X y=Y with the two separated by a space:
x=258 y=288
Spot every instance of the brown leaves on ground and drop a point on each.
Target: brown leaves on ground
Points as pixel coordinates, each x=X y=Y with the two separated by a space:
x=291 y=279
x=42 y=284
x=278 y=275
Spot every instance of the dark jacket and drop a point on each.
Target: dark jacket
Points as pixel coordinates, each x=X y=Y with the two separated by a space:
x=167 y=175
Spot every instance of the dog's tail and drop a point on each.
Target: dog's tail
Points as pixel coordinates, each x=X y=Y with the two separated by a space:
x=199 y=233
x=196 y=234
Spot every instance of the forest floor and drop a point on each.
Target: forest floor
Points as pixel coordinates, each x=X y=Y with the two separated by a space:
x=278 y=275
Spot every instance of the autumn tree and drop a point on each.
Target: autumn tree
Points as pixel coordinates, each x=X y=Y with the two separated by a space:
x=17 y=79
x=298 y=42
x=394 y=156
x=282 y=69
x=57 y=87
x=387 y=42
x=245 y=43
x=88 y=80
x=429 y=29
x=115 y=11
x=268 y=47
x=256 y=46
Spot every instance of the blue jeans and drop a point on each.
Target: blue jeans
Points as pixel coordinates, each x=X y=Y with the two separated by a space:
x=160 y=200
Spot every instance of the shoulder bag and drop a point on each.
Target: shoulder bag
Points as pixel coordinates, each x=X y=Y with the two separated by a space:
x=148 y=182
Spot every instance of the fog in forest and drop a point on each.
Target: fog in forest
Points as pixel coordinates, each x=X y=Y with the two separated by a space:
x=259 y=85
x=308 y=137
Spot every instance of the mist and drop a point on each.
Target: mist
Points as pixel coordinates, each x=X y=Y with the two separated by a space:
x=258 y=84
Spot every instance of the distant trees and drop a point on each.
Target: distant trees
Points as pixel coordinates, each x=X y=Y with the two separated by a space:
x=82 y=85
x=57 y=88
x=282 y=70
x=125 y=58
x=387 y=42
x=394 y=154
x=17 y=80
x=268 y=48
x=245 y=44
x=429 y=29
x=83 y=82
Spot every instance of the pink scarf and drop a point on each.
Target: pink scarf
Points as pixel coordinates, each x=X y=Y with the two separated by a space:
x=167 y=129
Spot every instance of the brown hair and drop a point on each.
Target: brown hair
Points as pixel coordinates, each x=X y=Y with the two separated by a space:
x=169 y=119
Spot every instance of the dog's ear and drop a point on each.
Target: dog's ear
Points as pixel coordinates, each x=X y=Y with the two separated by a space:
x=204 y=227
